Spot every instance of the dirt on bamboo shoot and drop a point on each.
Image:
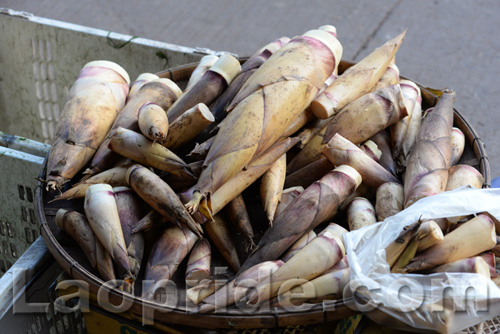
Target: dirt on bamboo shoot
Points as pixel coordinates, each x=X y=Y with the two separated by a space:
x=389 y=200
x=187 y=126
x=153 y=122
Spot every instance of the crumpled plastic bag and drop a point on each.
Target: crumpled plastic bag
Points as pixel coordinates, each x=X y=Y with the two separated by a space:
x=444 y=302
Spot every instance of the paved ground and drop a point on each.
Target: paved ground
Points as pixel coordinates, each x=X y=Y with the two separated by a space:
x=450 y=43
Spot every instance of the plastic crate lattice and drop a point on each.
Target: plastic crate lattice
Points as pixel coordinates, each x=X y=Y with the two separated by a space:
x=45 y=85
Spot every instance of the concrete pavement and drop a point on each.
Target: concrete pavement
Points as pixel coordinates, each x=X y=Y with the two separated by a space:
x=450 y=43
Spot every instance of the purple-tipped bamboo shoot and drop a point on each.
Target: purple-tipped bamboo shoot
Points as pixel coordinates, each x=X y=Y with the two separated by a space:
x=360 y=213
x=287 y=197
x=326 y=286
x=94 y=101
x=464 y=175
x=496 y=248
x=411 y=93
x=429 y=160
x=490 y=259
x=77 y=227
x=335 y=229
x=141 y=80
x=390 y=76
x=104 y=263
x=198 y=266
x=314 y=259
x=245 y=178
x=341 y=151
x=305 y=176
x=236 y=289
x=457 y=145
x=204 y=65
x=206 y=288
x=469 y=265
x=342 y=264
x=272 y=46
x=173 y=245
x=357 y=80
x=266 y=105
x=314 y=205
x=102 y=214
x=211 y=84
x=366 y=116
x=247 y=69
x=473 y=237
x=298 y=245
x=371 y=149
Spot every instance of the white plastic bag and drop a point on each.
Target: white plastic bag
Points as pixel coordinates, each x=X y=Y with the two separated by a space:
x=445 y=302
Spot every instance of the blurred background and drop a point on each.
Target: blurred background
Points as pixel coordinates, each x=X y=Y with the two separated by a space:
x=449 y=43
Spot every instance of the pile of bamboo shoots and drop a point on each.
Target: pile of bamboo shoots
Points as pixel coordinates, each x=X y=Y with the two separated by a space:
x=466 y=247
x=260 y=167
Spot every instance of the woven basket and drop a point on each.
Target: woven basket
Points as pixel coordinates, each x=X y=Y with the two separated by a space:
x=300 y=320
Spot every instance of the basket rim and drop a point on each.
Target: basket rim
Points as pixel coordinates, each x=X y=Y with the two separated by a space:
x=318 y=313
